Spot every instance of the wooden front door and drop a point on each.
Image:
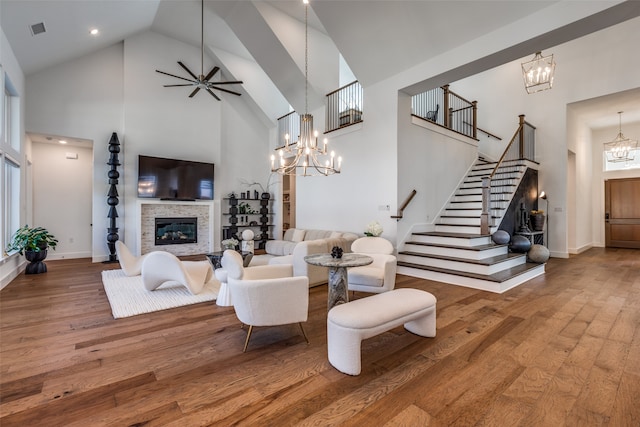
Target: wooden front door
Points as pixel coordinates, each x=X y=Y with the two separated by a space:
x=622 y=213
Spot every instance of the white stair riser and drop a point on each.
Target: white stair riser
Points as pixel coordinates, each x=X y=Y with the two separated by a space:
x=453 y=241
x=464 y=266
x=494 y=183
x=460 y=221
x=463 y=212
x=456 y=252
x=501 y=198
x=461 y=229
x=478 y=191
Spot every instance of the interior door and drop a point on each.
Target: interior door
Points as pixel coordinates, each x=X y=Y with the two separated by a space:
x=622 y=213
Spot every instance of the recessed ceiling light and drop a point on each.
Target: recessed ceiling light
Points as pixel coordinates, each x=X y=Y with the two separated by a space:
x=62 y=141
x=94 y=32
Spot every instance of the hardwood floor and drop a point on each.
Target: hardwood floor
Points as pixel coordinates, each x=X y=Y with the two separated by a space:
x=560 y=350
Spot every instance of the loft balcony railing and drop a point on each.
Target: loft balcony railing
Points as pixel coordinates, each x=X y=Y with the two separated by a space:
x=289 y=124
x=448 y=109
x=344 y=107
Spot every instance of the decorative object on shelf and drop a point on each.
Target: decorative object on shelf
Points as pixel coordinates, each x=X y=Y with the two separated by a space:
x=538 y=73
x=523 y=220
x=202 y=81
x=33 y=244
x=519 y=244
x=621 y=149
x=374 y=229
x=264 y=190
x=112 y=196
x=538 y=253
x=247 y=241
x=536 y=219
x=500 y=237
x=309 y=157
x=230 y=243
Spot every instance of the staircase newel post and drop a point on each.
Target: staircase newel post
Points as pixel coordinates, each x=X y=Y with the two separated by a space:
x=475 y=119
x=521 y=137
x=447 y=121
x=486 y=194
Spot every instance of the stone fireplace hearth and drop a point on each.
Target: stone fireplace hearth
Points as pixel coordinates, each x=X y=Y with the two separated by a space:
x=202 y=212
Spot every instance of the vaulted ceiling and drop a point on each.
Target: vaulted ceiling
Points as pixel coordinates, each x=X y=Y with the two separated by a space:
x=377 y=39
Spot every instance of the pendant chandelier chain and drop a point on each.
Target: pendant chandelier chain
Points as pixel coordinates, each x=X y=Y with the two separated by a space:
x=306 y=59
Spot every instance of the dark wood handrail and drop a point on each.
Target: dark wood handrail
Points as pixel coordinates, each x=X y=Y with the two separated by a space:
x=340 y=88
x=404 y=205
x=288 y=114
x=504 y=153
x=486 y=181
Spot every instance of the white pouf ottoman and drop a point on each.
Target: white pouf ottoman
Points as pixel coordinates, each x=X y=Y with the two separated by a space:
x=350 y=323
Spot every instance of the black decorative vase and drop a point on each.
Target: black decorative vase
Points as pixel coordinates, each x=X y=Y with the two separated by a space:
x=537 y=222
x=35 y=266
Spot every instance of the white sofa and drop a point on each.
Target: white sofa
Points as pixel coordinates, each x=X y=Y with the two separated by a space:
x=298 y=243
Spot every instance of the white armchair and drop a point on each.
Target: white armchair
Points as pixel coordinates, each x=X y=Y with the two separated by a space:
x=160 y=267
x=266 y=295
x=379 y=276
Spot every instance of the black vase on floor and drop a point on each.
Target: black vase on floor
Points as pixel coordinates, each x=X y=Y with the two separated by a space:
x=35 y=266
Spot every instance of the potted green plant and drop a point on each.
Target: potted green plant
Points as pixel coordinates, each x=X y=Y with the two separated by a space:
x=33 y=242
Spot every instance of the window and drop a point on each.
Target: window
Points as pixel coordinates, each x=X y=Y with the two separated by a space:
x=624 y=164
x=9 y=163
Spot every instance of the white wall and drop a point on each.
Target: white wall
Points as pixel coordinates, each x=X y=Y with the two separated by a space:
x=118 y=90
x=432 y=161
x=9 y=66
x=83 y=99
x=62 y=190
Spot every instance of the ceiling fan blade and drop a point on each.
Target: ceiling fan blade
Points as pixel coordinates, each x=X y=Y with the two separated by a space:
x=212 y=72
x=188 y=70
x=177 y=77
x=192 y=94
x=225 y=90
x=186 y=84
x=213 y=94
x=237 y=82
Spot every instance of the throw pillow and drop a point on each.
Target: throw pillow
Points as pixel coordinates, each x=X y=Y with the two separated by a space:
x=298 y=235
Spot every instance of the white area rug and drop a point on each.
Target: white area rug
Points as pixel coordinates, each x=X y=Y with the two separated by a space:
x=128 y=297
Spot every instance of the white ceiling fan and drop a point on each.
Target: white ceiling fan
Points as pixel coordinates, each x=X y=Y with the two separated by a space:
x=201 y=81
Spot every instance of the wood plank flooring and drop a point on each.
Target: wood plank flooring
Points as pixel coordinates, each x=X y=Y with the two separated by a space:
x=561 y=350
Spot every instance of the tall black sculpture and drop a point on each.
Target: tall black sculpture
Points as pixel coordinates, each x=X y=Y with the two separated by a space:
x=112 y=196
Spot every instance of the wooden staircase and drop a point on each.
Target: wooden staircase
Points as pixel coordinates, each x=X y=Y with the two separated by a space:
x=456 y=252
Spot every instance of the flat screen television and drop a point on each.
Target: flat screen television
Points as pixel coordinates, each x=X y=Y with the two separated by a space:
x=173 y=179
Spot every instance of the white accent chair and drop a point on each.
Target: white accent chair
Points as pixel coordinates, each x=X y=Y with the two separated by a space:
x=161 y=267
x=266 y=295
x=379 y=276
x=131 y=265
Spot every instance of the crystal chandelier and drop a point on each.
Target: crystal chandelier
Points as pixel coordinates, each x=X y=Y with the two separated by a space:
x=306 y=157
x=538 y=73
x=621 y=149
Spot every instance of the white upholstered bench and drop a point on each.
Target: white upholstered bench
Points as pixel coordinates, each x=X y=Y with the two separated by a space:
x=348 y=324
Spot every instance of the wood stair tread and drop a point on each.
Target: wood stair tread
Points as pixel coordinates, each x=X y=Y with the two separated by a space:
x=486 y=261
x=499 y=277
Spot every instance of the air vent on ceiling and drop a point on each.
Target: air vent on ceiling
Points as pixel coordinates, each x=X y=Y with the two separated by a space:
x=37 y=28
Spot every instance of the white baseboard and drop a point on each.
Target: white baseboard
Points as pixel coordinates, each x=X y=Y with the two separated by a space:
x=576 y=251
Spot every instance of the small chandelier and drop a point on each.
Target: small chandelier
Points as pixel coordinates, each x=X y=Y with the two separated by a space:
x=538 y=73
x=306 y=156
x=621 y=149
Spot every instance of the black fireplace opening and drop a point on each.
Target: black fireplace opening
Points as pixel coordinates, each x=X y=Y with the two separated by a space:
x=176 y=231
